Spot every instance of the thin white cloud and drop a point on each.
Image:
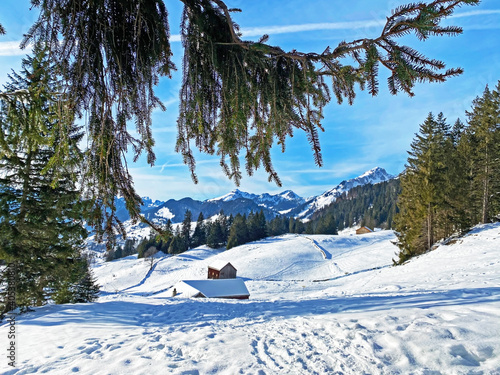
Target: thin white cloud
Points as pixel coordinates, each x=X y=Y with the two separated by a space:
x=175 y=38
x=291 y=29
x=473 y=13
x=12 y=48
x=287 y=29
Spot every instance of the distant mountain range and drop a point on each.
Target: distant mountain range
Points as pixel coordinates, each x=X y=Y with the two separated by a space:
x=237 y=201
x=286 y=203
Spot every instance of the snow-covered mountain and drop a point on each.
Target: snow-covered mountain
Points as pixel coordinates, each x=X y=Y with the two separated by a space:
x=233 y=195
x=279 y=202
x=373 y=176
x=237 y=201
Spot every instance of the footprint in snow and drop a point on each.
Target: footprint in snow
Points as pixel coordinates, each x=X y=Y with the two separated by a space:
x=464 y=357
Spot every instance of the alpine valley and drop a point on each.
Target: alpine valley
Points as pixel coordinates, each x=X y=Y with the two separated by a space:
x=286 y=203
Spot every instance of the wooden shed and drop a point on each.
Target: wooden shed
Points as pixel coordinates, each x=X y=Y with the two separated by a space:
x=226 y=288
x=221 y=270
x=363 y=230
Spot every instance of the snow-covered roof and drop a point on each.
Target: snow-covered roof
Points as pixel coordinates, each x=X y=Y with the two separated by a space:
x=219 y=264
x=218 y=288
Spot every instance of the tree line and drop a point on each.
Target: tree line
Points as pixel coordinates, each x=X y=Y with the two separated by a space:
x=221 y=231
x=451 y=181
x=366 y=205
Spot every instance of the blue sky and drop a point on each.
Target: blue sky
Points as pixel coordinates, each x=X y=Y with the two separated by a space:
x=374 y=131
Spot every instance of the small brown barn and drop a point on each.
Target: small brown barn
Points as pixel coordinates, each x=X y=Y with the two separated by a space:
x=363 y=230
x=221 y=270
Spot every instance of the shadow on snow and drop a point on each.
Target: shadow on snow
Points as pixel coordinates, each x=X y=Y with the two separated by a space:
x=194 y=311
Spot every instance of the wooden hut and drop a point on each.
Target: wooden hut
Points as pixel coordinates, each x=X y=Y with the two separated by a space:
x=221 y=270
x=363 y=230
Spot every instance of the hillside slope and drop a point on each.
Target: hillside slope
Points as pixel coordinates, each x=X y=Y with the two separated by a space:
x=319 y=304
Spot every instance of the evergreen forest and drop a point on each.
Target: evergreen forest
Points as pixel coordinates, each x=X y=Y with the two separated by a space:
x=452 y=178
x=221 y=231
x=374 y=206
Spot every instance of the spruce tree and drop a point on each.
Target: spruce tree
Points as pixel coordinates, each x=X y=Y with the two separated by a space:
x=165 y=236
x=445 y=157
x=41 y=212
x=236 y=96
x=484 y=140
x=80 y=287
x=199 y=235
x=177 y=245
x=118 y=253
x=129 y=247
x=326 y=225
x=459 y=178
x=141 y=248
x=423 y=187
x=309 y=227
x=299 y=226
x=86 y=290
x=239 y=233
x=216 y=236
x=257 y=226
x=261 y=225
x=186 y=229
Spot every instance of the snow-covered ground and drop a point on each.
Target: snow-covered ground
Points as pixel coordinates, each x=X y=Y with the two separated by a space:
x=318 y=305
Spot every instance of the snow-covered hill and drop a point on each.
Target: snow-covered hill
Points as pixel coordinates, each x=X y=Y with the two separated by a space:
x=318 y=305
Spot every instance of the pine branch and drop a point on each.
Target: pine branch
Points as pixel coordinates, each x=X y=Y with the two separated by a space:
x=236 y=95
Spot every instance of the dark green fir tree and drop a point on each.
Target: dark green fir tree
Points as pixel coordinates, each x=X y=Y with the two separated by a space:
x=423 y=188
x=483 y=137
x=199 y=235
x=41 y=211
x=216 y=232
x=238 y=234
x=186 y=229
x=178 y=244
x=326 y=225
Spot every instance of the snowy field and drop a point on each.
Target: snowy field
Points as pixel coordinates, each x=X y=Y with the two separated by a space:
x=318 y=305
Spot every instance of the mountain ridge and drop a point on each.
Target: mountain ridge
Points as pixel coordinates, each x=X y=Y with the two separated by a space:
x=373 y=176
x=285 y=203
x=239 y=202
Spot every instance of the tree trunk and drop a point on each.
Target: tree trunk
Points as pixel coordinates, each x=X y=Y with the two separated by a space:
x=430 y=241
x=484 y=216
